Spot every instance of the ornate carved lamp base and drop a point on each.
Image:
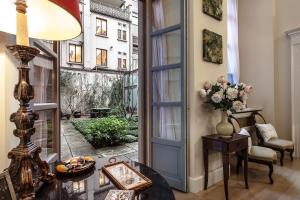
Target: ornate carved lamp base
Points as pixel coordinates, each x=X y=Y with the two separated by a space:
x=26 y=167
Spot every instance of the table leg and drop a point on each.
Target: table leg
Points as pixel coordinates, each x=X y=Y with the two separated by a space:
x=245 y=155
x=225 y=158
x=205 y=158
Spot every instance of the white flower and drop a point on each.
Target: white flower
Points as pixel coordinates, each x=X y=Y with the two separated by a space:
x=221 y=93
x=216 y=98
x=237 y=106
x=202 y=93
x=232 y=93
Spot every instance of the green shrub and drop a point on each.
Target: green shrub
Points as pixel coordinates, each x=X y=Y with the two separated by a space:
x=103 y=132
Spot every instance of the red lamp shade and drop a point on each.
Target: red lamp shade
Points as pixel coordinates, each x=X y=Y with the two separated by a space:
x=47 y=19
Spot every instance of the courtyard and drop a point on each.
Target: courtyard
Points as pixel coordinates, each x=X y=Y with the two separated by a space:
x=73 y=143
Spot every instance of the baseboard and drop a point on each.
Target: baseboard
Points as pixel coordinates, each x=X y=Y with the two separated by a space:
x=196 y=184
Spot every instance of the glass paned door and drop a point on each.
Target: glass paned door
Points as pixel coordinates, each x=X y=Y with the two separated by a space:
x=45 y=103
x=168 y=91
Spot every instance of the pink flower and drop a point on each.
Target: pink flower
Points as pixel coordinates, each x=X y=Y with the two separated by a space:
x=207 y=85
x=248 y=89
x=242 y=93
x=222 y=80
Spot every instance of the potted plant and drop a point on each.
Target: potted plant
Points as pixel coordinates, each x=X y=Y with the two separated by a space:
x=77 y=114
x=226 y=97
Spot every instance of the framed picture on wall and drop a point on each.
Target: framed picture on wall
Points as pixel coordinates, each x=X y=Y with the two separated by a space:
x=6 y=188
x=213 y=8
x=212 y=47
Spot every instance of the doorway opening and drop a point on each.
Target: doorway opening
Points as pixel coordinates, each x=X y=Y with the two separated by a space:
x=99 y=82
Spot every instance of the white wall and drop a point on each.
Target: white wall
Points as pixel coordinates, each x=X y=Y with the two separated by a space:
x=265 y=56
x=287 y=18
x=202 y=121
x=256 y=44
x=8 y=105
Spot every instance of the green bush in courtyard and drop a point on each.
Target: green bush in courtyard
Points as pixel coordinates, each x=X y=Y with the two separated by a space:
x=102 y=132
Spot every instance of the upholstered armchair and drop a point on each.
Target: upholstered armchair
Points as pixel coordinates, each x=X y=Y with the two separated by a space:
x=275 y=143
x=256 y=154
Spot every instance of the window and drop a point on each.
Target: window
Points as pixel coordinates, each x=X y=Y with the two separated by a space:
x=233 y=65
x=124 y=35
x=135 y=50
x=135 y=40
x=101 y=57
x=44 y=75
x=101 y=28
x=122 y=32
x=119 y=63
x=124 y=64
x=119 y=34
x=75 y=53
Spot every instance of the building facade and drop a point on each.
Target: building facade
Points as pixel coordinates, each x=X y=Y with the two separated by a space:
x=108 y=44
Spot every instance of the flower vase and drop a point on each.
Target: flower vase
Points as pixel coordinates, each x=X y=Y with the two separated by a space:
x=224 y=128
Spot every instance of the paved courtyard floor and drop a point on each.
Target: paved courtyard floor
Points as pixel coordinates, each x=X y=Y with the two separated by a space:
x=74 y=144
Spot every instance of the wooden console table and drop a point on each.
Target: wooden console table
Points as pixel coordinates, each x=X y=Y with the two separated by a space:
x=225 y=146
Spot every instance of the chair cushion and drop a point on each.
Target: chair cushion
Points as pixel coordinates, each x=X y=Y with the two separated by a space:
x=267 y=131
x=262 y=153
x=279 y=143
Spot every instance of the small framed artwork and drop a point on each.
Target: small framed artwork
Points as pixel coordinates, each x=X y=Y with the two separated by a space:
x=125 y=177
x=212 y=47
x=6 y=188
x=213 y=8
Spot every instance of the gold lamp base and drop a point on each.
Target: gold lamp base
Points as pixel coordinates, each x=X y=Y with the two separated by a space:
x=26 y=168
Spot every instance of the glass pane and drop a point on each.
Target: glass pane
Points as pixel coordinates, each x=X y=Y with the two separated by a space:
x=166 y=49
x=165 y=13
x=104 y=27
x=43 y=136
x=167 y=123
x=166 y=86
x=42 y=83
x=98 y=59
x=124 y=35
x=98 y=26
x=72 y=53
x=103 y=57
x=78 y=54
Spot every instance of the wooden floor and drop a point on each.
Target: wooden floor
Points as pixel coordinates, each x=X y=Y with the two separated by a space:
x=286 y=185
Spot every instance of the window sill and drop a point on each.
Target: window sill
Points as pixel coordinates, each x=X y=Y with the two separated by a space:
x=74 y=63
x=122 y=40
x=103 y=36
x=101 y=66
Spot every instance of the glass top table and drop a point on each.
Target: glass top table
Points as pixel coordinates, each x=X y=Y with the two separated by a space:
x=95 y=185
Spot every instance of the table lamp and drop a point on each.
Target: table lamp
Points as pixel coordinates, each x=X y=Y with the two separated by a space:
x=41 y=19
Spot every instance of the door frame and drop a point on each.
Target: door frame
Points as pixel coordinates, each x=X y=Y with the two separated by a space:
x=145 y=84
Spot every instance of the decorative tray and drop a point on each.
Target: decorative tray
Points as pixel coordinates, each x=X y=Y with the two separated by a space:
x=75 y=166
x=126 y=177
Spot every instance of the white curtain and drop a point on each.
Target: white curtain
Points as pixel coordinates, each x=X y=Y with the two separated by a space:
x=232 y=42
x=165 y=83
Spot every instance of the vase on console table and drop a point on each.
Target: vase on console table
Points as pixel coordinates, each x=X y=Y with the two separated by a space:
x=224 y=128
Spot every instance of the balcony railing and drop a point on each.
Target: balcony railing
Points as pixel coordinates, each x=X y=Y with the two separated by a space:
x=108 y=10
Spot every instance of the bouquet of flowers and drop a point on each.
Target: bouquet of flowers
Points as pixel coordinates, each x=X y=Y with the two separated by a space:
x=225 y=96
